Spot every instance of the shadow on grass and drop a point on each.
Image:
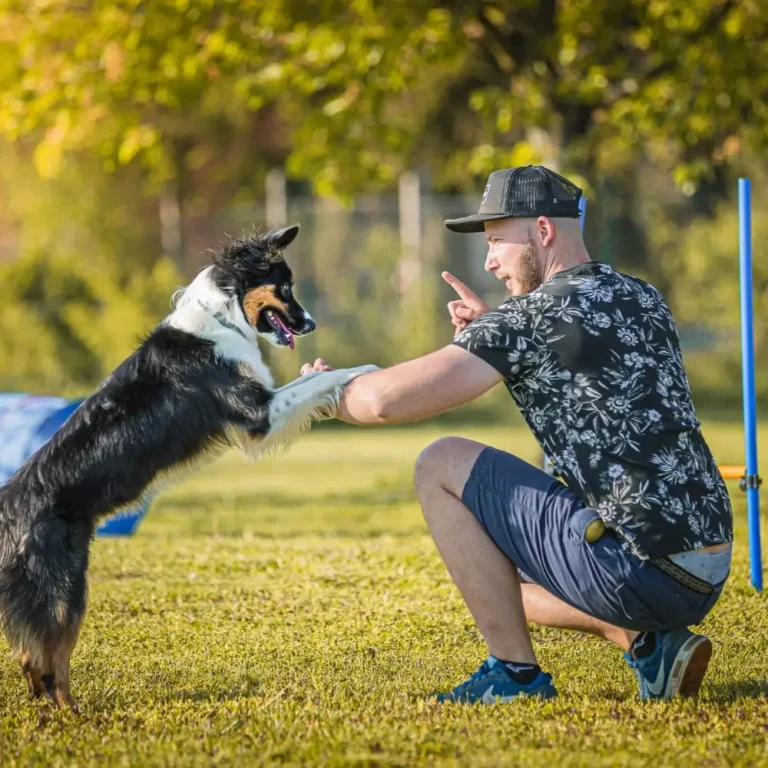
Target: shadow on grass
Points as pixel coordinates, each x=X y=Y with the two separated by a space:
x=738 y=689
x=322 y=532
x=219 y=696
x=374 y=497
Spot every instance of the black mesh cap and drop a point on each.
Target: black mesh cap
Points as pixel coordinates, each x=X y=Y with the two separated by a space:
x=525 y=192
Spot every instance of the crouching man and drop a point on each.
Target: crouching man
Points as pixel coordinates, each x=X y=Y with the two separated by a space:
x=635 y=545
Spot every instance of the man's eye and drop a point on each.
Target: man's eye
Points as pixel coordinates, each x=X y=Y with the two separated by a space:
x=286 y=290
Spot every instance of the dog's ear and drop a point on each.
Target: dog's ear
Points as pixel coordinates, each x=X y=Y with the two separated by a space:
x=282 y=238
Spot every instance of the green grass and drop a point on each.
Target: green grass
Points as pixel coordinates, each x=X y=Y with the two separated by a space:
x=295 y=611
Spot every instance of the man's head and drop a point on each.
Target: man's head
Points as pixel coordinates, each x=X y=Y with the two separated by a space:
x=530 y=217
x=522 y=252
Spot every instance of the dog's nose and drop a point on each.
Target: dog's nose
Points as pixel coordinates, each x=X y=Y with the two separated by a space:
x=309 y=326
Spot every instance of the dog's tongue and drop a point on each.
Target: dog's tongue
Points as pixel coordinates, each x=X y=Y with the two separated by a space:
x=285 y=329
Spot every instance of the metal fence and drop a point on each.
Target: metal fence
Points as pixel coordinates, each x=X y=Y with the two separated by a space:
x=372 y=268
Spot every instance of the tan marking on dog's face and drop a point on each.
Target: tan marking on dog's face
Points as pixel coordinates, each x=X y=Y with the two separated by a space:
x=257 y=299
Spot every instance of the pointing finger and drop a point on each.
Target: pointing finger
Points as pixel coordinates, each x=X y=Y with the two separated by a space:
x=466 y=293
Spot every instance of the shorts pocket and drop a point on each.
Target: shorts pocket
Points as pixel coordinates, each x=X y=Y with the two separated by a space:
x=585 y=527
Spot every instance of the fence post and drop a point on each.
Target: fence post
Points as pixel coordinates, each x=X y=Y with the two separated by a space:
x=409 y=209
x=171 y=233
x=276 y=198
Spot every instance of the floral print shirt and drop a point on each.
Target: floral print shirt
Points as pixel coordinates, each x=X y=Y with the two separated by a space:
x=592 y=359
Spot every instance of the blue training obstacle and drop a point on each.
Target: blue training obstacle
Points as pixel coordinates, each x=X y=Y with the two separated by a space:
x=751 y=481
x=27 y=422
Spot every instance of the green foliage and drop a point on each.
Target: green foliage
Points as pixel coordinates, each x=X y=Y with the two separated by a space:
x=86 y=285
x=66 y=324
x=370 y=88
x=700 y=264
x=197 y=98
x=296 y=612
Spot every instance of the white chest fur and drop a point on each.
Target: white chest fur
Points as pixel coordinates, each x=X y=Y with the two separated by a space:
x=207 y=312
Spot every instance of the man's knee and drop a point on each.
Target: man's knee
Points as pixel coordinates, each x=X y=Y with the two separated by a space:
x=446 y=464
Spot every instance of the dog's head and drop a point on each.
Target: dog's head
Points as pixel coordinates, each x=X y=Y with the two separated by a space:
x=254 y=272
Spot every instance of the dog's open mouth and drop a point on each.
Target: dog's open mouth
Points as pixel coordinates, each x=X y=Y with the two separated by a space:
x=283 y=333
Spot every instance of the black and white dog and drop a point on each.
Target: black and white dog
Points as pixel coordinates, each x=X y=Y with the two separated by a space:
x=194 y=387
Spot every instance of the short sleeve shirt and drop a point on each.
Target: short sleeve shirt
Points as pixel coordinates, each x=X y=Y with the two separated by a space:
x=592 y=358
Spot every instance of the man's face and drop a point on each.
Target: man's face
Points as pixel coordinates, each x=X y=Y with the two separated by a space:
x=513 y=255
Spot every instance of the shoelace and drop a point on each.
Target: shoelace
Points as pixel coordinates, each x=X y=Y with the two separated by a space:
x=484 y=670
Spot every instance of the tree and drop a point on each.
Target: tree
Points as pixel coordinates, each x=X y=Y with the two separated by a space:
x=369 y=88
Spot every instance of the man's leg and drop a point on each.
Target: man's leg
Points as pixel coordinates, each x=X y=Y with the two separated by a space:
x=543 y=608
x=514 y=495
x=487 y=580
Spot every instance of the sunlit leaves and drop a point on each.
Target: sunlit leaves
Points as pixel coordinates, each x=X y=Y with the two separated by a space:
x=370 y=88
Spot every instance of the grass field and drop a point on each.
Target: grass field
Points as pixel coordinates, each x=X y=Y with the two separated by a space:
x=296 y=612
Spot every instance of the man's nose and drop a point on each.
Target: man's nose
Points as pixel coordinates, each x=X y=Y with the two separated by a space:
x=491 y=263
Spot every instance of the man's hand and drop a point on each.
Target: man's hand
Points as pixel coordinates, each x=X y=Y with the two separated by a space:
x=468 y=307
x=318 y=365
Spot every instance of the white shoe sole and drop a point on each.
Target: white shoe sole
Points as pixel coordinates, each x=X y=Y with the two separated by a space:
x=689 y=668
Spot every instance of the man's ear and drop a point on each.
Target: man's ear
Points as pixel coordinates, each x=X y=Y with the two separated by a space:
x=282 y=238
x=545 y=228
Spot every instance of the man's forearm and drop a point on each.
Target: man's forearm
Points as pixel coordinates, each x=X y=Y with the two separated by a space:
x=360 y=403
x=417 y=389
x=379 y=398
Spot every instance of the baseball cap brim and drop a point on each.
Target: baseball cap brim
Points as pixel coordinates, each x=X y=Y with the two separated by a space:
x=475 y=223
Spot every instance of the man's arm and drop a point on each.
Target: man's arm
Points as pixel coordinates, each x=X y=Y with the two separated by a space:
x=417 y=389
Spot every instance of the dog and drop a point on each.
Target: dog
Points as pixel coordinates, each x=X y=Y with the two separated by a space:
x=195 y=386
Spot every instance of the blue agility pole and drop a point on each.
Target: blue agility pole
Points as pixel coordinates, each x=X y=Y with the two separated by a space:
x=751 y=480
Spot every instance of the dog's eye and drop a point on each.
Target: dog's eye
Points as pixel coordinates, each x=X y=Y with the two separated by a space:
x=285 y=290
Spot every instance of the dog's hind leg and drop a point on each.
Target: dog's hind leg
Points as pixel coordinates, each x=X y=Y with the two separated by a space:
x=58 y=647
x=31 y=670
x=42 y=609
x=56 y=657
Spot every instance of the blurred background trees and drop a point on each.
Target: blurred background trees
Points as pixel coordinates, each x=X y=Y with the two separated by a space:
x=136 y=133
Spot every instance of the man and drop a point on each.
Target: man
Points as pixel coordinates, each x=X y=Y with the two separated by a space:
x=636 y=545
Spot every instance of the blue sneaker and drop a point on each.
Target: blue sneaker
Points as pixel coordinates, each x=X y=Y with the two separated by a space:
x=675 y=668
x=493 y=684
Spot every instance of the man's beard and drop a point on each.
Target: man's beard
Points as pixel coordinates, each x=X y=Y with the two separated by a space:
x=528 y=275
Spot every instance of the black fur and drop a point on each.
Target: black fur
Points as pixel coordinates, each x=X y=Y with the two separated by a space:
x=166 y=405
x=171 y=402
x=245 y=263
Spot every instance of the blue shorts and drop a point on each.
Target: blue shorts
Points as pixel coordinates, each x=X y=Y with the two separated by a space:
x=540 y=525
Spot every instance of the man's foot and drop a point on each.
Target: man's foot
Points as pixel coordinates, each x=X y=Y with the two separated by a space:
x=493 y=683
x=676 y=666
